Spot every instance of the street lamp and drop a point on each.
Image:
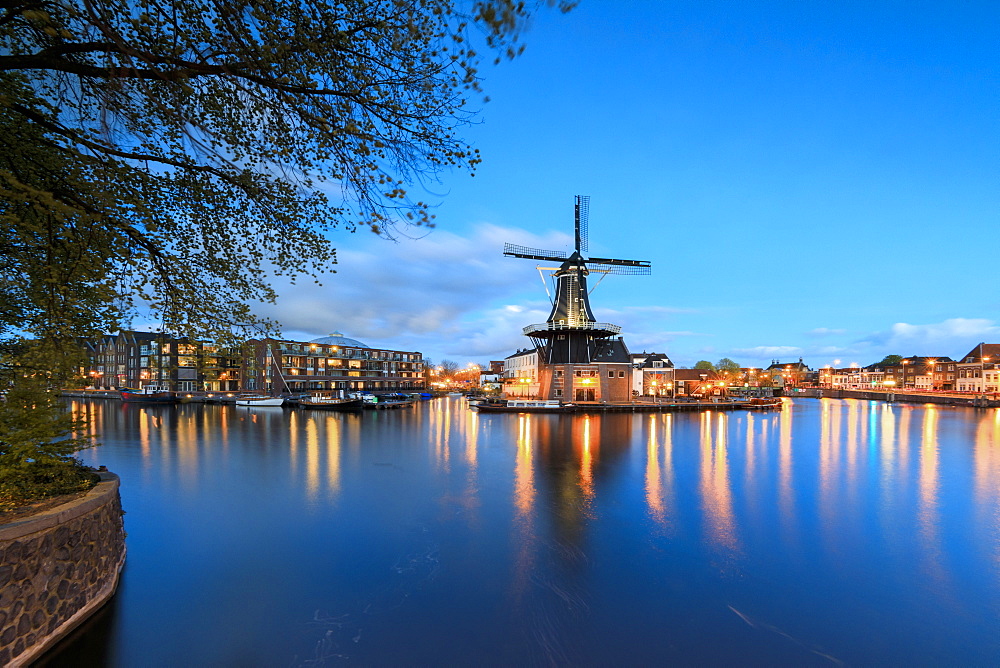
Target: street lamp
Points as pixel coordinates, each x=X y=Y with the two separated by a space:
x=982 y=369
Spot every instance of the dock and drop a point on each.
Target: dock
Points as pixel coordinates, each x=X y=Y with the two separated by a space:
x=640 y=407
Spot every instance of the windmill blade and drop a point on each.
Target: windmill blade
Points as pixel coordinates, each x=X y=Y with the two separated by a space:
x=513 y=250
x=582 y=222
x=620 y=263
x=641 y=269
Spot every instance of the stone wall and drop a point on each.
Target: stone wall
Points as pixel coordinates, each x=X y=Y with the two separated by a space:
x=56 y=569
x=978 y=401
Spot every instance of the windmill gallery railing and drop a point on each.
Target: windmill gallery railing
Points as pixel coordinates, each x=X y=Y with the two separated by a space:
x=576 y=326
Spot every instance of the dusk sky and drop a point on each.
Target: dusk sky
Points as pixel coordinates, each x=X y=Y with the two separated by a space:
x=807 y=181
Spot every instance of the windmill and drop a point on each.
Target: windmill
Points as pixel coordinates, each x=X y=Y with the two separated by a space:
x=571 y=334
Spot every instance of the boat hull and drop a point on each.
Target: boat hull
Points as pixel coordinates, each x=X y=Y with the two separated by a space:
x=260 y=401
x=385 y=405
x=503 y=408
x=149 y=397
x=332 y=405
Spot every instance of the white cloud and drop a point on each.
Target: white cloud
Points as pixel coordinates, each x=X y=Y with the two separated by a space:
x=445 y=295
x=952 y=337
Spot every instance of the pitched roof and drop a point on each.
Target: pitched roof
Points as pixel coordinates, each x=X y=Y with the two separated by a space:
x=983 y=350
x=694 y=374
x=656 y=357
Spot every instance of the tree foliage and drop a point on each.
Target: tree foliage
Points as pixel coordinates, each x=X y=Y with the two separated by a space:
x=727 y=365
x=36 y=432
x=196 y=147
x=890 y=360
x=704 y=364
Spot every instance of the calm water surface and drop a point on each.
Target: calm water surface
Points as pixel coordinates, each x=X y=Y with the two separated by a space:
x=835 y=531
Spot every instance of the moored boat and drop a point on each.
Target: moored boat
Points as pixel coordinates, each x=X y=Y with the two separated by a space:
x=259 y=400
x=150 y=394
x=331 y=403
x=524 y=406
x=385 y=401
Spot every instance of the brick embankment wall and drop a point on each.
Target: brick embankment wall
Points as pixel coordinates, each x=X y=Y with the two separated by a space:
x=979 y=401
x=56 y=569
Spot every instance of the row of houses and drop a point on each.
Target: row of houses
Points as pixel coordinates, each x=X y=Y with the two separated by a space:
x=334 y=364
x=976 y=371
x=654 y=375
x=646 y=374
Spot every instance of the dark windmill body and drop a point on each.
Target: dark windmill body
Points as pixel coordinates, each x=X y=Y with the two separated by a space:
x=578 y=358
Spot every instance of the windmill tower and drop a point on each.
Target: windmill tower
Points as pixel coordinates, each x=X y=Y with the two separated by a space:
x=571 y=344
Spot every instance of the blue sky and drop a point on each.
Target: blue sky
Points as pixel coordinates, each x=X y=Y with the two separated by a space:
x=807 y=181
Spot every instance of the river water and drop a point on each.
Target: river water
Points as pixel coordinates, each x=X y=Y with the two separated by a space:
x=832 y=532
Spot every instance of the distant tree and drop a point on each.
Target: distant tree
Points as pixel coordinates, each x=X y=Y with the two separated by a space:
x=704 y=364
x=890 y=360
x=448 y=368
x=727 y=365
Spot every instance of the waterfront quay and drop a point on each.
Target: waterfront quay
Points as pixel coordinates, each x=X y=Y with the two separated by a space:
x=832 y=531
x=943 y=398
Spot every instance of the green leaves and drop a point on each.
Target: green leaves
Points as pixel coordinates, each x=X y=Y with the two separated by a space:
x=165 y=157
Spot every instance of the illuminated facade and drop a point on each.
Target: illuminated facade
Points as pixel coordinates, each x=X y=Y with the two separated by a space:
x=140 y=359
x=334 y=363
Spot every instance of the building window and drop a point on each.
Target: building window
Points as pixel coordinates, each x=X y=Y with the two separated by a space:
x=611 y=373
x=621 y=374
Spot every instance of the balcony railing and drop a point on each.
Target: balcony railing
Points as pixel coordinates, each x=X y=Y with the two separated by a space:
x=562 y=326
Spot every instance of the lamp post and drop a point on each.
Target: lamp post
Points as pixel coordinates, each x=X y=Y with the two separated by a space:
x=982 y=368
x=652 y=384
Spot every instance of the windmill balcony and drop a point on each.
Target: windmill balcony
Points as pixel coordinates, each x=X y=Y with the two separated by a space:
x=581 y=324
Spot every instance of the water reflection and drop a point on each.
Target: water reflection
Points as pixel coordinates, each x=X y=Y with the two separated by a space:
x=440 y=536
x=986 y=464
x=524 y=502
x=715 y=488
x=659 y=474
x=786 y=493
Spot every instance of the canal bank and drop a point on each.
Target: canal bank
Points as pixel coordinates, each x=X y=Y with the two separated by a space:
x=940 y=399
x=57 y=568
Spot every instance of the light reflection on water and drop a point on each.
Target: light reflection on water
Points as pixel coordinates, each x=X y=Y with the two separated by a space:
x=833 y=531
